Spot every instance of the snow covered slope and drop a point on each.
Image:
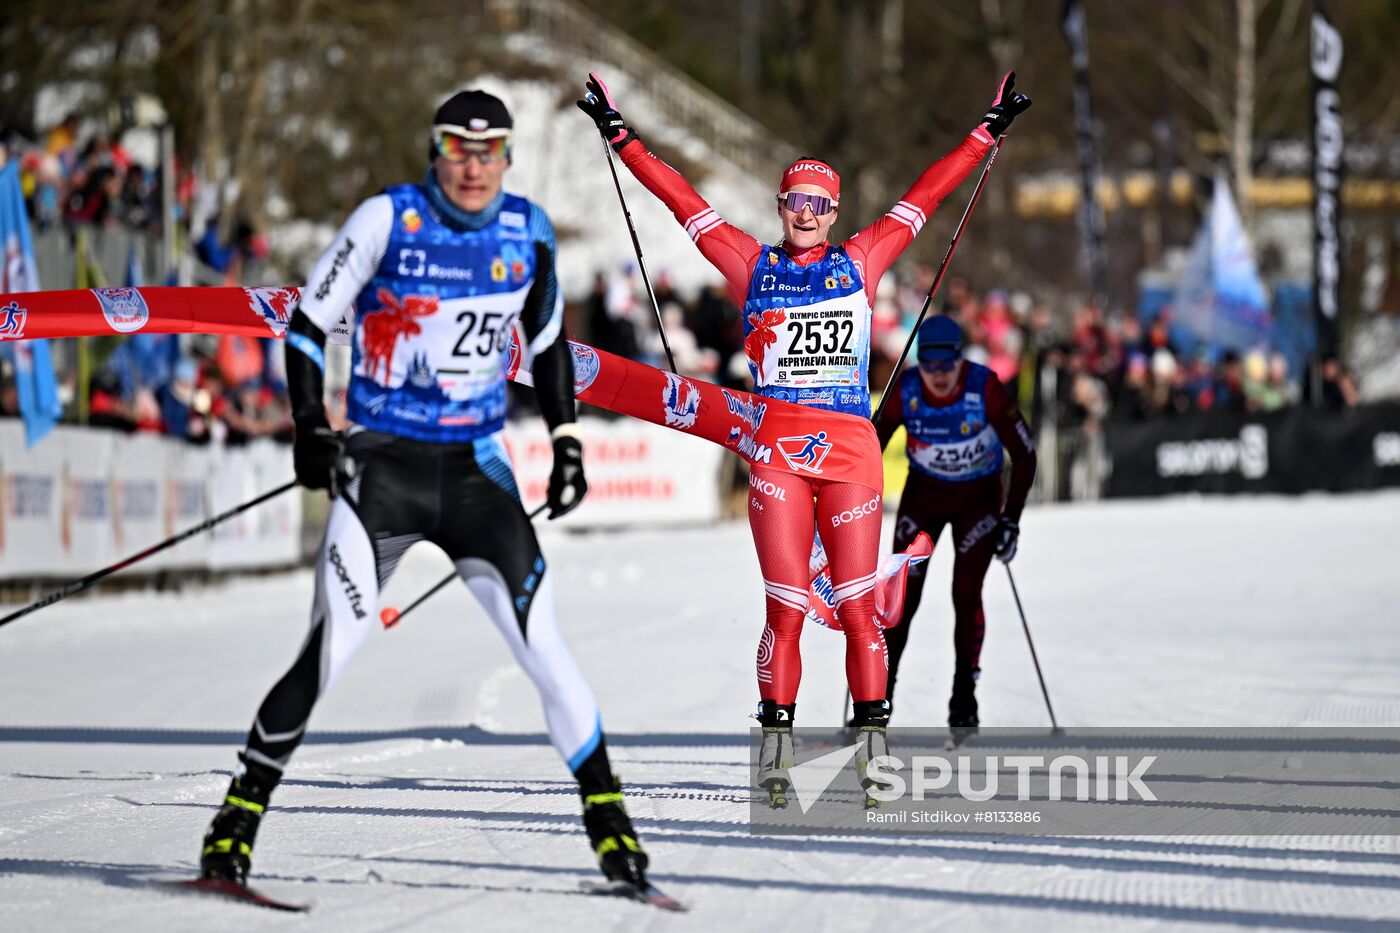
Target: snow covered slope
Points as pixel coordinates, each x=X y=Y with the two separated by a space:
x=427 y=796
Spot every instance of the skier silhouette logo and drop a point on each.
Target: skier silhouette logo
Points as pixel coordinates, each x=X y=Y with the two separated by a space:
x=805 y=451
x=762 y=336
x=383 y=328
x=12 y=318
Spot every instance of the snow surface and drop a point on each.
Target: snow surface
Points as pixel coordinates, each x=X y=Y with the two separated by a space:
x=428 y=798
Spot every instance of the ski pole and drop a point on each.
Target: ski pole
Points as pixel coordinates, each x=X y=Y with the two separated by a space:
x=938 y=279
x=1054 y=726
x=390 y=617
x=77 y=586
x=641 y=263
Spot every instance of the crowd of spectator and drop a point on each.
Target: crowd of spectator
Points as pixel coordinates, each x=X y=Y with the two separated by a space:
x=74 y=178
x=202 y=389
x=79 y=176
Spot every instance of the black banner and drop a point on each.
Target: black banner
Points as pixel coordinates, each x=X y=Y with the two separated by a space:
x=1091 y=221
x=1294 y=451
x=1328 y=143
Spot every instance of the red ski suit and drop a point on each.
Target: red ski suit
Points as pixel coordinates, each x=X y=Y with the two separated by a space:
x=784 y=509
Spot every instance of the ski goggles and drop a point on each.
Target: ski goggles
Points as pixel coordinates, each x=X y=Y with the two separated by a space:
x=795 y=201
x=456 y=144
x=936 y=365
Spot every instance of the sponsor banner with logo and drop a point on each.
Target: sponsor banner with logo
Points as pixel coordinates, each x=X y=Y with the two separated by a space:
x=88 y=532
x=184 y=504
x=31 y=499
x=266 y=536
x=137 y=486
x=1328 y=148
x=1295 y=451
x=82 y=499
x=637 y=473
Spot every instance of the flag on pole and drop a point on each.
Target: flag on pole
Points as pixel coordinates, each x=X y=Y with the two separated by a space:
x=1091 y=220
x=34 y=377
x=1220 y=300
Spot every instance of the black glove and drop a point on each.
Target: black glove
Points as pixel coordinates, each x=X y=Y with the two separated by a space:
x=598 y=104
x=1006 y=535
x=317 y=452
x=567 y=487
x=1007 y=106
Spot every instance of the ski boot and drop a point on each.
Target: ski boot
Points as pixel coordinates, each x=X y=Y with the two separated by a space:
x=962 y=707
x=870 y=720
x=775 y=754
x=620 y=855
x=228 y=845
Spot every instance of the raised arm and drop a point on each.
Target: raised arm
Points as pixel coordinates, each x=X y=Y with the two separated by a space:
x=729 y=249
x=879 y=245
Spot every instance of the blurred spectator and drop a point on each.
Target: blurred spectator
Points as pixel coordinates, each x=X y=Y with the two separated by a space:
x=176 y=399
x=146 y=412
x=43 y=188
x=63 y=137
x=239 y=408
x=1000 y=336
x=717 y=327
x=1266 y=385
x=1170 y=393
x=106 y=406
x=90 y=181
x=1338 y=387
x=1159 y=334
x=240 y=359
x=609 y=316
x=97 y=200
x=1229 y=384
x=9 y=391
x=229 y=256
x=1134 y=401
x=1093 y=340
x=1085 y=395
x=957 y=299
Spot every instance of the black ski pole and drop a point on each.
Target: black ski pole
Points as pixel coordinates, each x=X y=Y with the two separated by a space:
x=1054 y=725
x=390 y=617
x=641 y=263
x=77 y=586
x=938 y=279
x=914 y=333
